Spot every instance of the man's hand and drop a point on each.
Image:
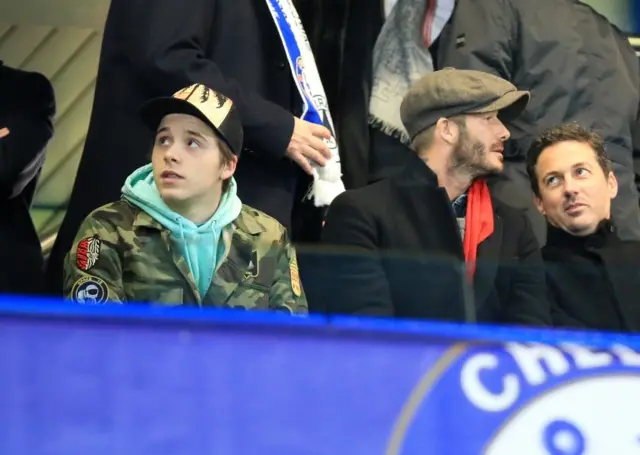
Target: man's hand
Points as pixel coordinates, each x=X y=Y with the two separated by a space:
x=307 y=143
x=4 y=132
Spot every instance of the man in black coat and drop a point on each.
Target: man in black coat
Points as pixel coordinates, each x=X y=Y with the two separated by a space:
x=26 y=113
x=593 y=277
x=153 y=48
x=401 y=244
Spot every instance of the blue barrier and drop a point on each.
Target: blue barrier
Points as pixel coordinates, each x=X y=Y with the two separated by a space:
x=139 y=380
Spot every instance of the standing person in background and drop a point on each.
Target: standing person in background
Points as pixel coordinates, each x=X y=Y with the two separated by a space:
x=253 y=51
x=26 y=126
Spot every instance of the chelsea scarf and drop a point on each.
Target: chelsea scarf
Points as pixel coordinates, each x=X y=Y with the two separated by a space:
x=327 y=181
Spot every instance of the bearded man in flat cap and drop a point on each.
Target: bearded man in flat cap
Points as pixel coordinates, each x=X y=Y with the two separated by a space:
x=431 y=242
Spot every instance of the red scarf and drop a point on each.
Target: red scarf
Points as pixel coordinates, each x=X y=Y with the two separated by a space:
x=478 y=222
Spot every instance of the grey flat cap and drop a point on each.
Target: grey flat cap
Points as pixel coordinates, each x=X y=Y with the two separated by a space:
x=449 y=92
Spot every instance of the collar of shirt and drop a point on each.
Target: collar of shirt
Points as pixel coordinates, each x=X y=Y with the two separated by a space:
x=459 y=206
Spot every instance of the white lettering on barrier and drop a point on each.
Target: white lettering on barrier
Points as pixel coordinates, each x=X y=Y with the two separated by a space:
x=531 y=360
x=478 y=393
x=626 y=355
x=586 y=358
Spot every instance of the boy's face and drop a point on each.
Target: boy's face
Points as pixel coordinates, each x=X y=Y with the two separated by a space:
x=188 y=165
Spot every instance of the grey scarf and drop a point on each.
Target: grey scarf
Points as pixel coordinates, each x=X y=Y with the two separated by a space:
x=401 y=57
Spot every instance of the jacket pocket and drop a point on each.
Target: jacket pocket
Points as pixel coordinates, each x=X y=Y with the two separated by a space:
x=249 y=296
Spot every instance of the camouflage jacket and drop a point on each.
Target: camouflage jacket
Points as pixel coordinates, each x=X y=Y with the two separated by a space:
x=121 y=254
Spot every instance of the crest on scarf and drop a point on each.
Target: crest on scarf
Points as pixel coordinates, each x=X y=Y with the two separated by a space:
x=320 y=102
x=302 y=78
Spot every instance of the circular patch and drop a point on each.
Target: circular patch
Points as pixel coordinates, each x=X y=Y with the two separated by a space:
x=90 y=290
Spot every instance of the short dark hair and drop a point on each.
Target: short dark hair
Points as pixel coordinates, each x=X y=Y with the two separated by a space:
x=564 y=133
x=226 y=156
x=424 y=139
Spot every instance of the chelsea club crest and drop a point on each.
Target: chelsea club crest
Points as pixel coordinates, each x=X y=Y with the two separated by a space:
x=525 y=399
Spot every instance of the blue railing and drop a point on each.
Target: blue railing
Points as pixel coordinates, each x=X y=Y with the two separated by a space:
x=156 y=380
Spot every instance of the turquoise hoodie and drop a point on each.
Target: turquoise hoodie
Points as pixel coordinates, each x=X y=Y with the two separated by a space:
x=200 y=245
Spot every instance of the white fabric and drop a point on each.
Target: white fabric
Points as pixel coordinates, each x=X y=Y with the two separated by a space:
x=388 y=6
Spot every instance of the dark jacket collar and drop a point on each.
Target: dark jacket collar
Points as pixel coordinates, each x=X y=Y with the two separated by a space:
x=415 y=173
x=559 y=238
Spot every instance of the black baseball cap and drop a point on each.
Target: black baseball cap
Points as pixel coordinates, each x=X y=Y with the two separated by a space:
x=198 y=100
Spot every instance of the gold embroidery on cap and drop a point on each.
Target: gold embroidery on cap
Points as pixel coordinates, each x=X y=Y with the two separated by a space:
x=215 y=106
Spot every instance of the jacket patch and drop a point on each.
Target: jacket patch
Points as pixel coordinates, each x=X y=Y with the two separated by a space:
x=295 y=276
x=90 y=290
x=88 y=252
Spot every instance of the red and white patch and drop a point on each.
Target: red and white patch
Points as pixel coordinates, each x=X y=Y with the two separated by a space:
x=88 y=252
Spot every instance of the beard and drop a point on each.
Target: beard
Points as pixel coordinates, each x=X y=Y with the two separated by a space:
x=469 y=156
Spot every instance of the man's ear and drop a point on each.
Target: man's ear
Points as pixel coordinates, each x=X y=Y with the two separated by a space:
x=537 y=201
x=613 y=185
x=447 y=130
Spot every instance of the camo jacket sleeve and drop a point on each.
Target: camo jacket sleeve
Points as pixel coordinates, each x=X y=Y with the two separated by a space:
x=287 y=290
x=92 y=269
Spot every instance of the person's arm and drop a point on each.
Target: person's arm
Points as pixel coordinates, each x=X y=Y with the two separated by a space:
x=527 y=302
x=167 y=44
x=354 y=280
x=93 y=268
x=286 y=290
x=25 y=131
x=480 y=36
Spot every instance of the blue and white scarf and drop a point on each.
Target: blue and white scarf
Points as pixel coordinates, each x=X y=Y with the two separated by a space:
x=327 y=182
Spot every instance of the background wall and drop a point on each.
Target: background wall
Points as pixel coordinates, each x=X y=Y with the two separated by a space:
x=623 y=13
